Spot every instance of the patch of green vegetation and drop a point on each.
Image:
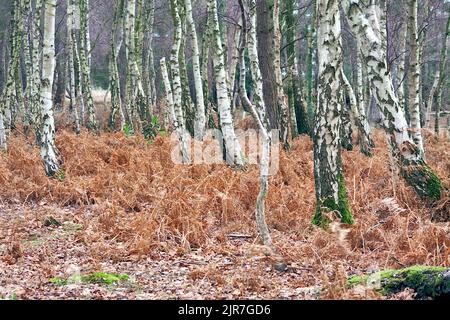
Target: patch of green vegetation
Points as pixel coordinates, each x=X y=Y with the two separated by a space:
x=152 y=129
x=61 y=175
x=104 y=278
x=427 y=282
x=96 y=277
x=73 y=228
x=128 y=130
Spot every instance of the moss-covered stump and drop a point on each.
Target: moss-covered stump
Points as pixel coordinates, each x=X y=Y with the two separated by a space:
x=424 y=181
x=427 y=282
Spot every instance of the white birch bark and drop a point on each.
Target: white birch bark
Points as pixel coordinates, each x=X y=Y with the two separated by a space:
x=49 y=152
x=180 y=123
x=414 y=76
x=234 y=153
x=408 y=156
x=329 y=180
x=71 y=63
x=366 y=142
x=200 y=113
x=281 y=97
x=258 y=109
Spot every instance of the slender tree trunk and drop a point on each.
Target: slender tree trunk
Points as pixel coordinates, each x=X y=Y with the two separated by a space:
x=258 y=109
x=281 y=97
x=85 y=65
x=414 y=76
x=266 y=53
x=71 y=63
x=365 y=138
x=411 y=162
x=312 y=47
x=200 y=115
x=401 y=65
x=331 y=192
x=179 y=118
x=49 y=152
x=114 y=81
x=234 y=153
x=440 y=74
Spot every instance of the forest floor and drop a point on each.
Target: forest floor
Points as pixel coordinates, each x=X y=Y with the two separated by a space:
x=188 y=232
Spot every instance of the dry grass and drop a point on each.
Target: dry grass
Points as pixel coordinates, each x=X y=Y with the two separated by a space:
x=128 y=191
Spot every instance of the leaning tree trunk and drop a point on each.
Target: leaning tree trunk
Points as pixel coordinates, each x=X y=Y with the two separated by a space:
x=414 y=76
x=234 y=155
x=258 y=109
x=200 y=115
x=409 y=158
x=49 y=152
x=281 y=97
x=331 y=191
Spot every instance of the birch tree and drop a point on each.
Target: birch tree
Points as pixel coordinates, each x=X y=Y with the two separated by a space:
x=71 y=63
x=200 y=115
x=114 y=78
x=331 y=191
x=85 y=48
x=414 y=76
x=49 y=152
x=234 y=153
x=179 y=120
x=281 y=98
x=257 y=108
x=409 y=158
x=439 y=77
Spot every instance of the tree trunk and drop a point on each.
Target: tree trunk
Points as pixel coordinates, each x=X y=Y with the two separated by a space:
x=179 y=119
x=200 y=115
x=258 y=109
x=85 y=65
x=234 y=155
x=414 y=76
x=331 y=192
x=411 y=162
x=71 y=64
x=114 y=81
x=281 y=97
x=427 y=282
x=439 y=77
x=365 y=139
x=265 y=35
x=49 y=152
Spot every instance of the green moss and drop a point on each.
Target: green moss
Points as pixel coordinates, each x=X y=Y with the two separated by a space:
x=104 y=278
x=329 y=205
x=96 y=277
x=427 y=282
x=344 y=206
x=59 y=282
x=424 y=181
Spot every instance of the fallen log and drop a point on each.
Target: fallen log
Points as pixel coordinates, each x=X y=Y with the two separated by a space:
x=427 y=282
